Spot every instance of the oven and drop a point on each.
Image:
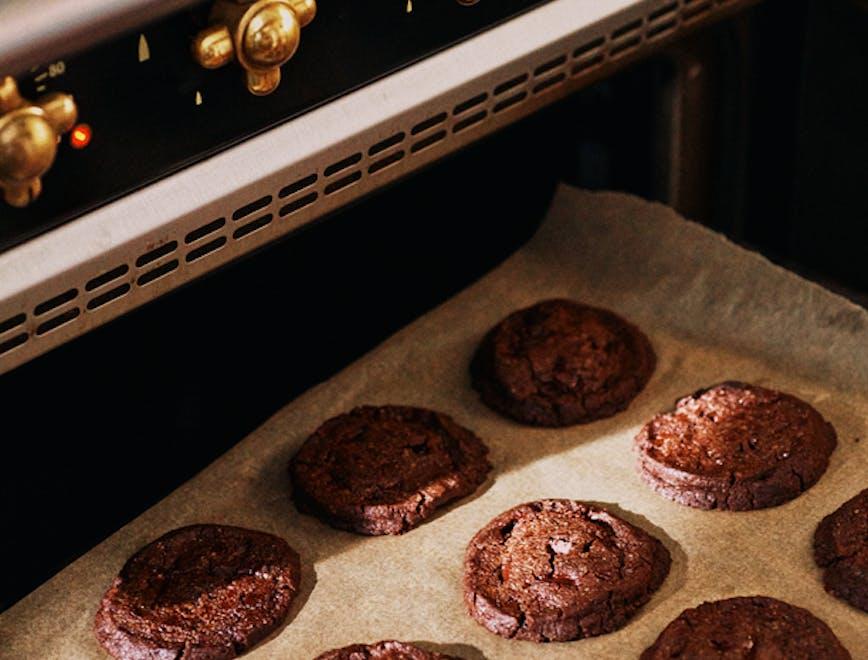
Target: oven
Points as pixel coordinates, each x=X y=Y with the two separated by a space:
x=191 y=238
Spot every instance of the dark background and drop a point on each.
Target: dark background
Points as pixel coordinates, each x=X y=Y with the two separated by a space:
x=102 y=428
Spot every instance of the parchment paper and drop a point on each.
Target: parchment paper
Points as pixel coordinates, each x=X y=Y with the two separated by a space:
x=712 y=310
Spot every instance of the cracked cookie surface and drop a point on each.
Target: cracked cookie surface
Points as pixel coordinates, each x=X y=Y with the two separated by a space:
x=205 y=591
x=559 y=363
x=841 y=548
x=386 y=650
x=747 y=627
x=383 y=470
x=560 y=570
x=735 y=446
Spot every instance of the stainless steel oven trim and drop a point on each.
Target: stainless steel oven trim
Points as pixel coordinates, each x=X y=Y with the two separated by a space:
x=33 y=32
x=81 y=275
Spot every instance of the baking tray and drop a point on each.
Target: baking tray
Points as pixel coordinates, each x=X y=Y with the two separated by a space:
x=713 y=312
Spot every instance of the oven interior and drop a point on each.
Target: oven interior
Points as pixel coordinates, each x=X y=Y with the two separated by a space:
x=754 y=127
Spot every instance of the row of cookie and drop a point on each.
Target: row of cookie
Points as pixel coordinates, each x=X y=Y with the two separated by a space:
x=736 y=627
x=562 y=570
x=550 y=570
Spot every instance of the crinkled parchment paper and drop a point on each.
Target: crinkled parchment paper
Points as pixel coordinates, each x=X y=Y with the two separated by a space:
x=712 y=310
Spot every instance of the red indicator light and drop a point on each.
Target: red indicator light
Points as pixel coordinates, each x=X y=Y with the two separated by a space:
x=80 y=136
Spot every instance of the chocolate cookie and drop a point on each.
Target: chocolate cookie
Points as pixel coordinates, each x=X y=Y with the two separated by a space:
x=383 y=470
x=841 y=547
x=205 y=591
x=559 y=363
x=389 y=650
x=747 y=627
x=559 y=570
x=735 y=446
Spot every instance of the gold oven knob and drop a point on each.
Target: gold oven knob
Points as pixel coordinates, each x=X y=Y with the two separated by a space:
x=263 y=35
x=29 y=133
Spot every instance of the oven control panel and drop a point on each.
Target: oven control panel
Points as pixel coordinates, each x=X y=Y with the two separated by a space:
x=78 y=132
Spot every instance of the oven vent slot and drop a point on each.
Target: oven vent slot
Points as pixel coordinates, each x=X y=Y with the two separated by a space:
x=54 y=303
x=479 y=99
x=472 y=120
x=253 y=226
x=554 y=81
x=246 y=210
x=157 y=273
x=298 y=186
x=105 y=278
x=298 y=204
x=587 y=65
x=589 y=48
x=204 y=230
x=662 y=29
x=340 y=184
x=341 y=165
x=427 y=142
x=693 y=9
x=431 y=122
x=510 y=84
x=57 y=321
x=11 y=323
x=388 y=143
x=631 y=29
x=108 y=296
x=15 y=342
x=383 y=163
x=157 y=253
x=208 y=248
x=663 y=13
x=515 y=99
x=624 y=47
x=548 y=66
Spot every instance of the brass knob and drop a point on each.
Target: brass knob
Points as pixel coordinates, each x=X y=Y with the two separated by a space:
x=29 y=133
x=262 y=35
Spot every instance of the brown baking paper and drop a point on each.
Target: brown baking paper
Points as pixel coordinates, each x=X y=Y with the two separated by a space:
x=712 y=310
